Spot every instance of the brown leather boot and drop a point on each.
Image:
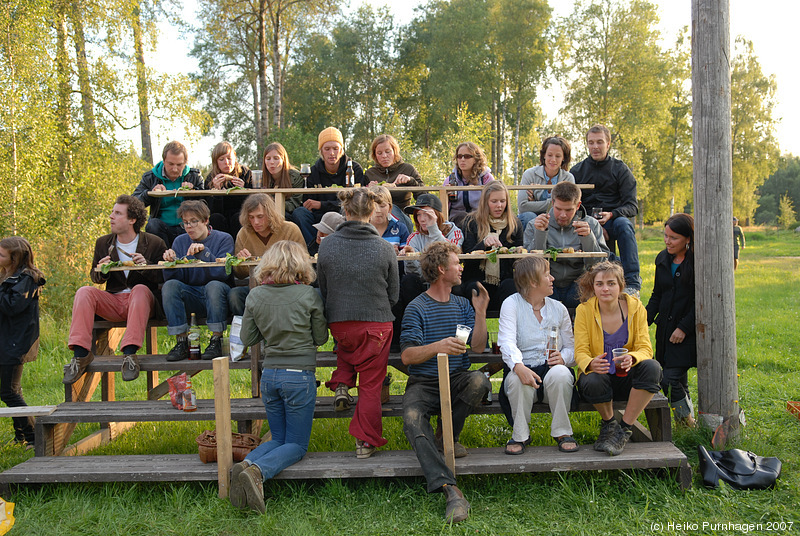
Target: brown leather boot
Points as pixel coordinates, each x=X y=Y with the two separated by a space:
x=75 y=368
x=457 y=508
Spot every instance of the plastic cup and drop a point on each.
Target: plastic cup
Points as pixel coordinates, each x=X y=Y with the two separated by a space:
x=256 y=177
x=462 y=333
x=596 y=212
x=619 y=352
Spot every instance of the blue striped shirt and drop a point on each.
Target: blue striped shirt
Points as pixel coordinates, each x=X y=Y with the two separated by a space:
x=427 y=321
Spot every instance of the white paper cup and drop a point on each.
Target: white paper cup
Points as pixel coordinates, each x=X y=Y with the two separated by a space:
x=462 y=332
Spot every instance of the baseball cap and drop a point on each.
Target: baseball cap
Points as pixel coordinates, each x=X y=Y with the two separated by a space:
x=330 y=221
x=423 y=201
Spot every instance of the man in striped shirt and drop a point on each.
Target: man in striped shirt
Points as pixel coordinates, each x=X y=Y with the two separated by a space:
x=429 y=328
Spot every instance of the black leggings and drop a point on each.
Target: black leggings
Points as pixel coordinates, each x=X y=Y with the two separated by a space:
x=11 y=395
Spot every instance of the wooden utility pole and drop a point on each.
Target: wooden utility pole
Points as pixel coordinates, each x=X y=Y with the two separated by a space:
x=717 y=384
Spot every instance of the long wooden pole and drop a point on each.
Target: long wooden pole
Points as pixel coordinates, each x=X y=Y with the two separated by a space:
x=447 y=411
x=222 y=414
x=718 y=387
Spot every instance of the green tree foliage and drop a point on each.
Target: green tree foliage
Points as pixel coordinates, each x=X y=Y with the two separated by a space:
x=786 y=217
x=785 y=181
x=621 y=78
x=755 y=150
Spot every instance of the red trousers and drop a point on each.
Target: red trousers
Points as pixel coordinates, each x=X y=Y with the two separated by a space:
x=134 y=307
x=362 y=348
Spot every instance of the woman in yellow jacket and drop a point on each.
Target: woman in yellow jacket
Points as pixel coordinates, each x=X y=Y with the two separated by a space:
x=606 y=320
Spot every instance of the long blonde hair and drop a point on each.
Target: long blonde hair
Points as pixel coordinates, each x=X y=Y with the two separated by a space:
x=481 y=215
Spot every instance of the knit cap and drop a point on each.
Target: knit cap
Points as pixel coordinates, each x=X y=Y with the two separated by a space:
x=330 y=134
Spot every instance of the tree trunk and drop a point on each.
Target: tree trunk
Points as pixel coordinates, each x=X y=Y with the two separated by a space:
x=501 y=139
x=277 y=96
x=141 y=86
x=257 y=116
x=262 y=68
x=63 y=113
x=718 y=390
x=87 y=99
x=517 y=117
x=13 y=128
x=495 y=128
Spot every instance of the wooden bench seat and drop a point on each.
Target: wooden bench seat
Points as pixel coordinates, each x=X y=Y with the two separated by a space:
x=317 y=465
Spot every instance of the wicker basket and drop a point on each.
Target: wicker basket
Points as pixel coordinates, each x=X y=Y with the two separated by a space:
x=243 y=444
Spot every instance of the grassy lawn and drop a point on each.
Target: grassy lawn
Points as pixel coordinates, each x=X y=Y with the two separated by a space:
x=622 y=502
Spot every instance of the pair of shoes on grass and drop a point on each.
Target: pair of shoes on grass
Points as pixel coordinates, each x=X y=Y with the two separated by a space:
x=247 y=487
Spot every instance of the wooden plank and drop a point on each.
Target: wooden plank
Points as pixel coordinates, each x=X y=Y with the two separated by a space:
x=27 y=411
x=222 y=412
x=318 y=465
x=158 y=362
x=445 y=403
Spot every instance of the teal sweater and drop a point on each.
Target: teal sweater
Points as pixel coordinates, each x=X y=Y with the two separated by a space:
x=290 y=320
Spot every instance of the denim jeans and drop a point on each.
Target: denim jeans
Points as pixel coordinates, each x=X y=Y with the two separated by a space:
x=525 y=217
x=567 y=295
x=237 y=296
x=305 y=219
x=209 y=300
x=421 y=400
x=621 y=230
x=289 y=397
x=11 y=395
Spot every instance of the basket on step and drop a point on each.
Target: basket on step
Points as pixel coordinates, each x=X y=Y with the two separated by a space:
x=242 y=444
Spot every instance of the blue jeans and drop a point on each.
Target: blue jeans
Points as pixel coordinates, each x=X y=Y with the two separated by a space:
x=236 y=299
x=567 y=295
x=209 y=300
x=168 y=233
x=525 y=217
x=289 y=397
x=305 y=219
x=621 y=230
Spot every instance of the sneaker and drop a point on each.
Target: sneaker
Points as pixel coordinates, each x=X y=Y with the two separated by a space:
x=607 y=431
x=364 y=450
x=616 y=443
x=342 y=401
x=130 y=367
x=457 y=508
x=252 y=484
x=214 y=348
x=75 y=368
x=630 y=291
x=180 y=351
x=236 y=493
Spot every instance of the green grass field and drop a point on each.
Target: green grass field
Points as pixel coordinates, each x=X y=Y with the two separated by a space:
x=619 y=503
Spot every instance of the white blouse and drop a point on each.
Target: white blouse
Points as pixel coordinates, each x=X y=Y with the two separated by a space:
x=523 y=339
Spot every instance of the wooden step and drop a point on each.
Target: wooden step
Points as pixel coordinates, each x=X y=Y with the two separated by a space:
x=158 y=362
x=384 y=464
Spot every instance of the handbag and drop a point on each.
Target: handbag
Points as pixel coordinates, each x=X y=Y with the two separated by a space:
x=738 y=468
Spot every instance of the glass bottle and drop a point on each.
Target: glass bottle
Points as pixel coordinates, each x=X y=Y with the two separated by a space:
x=189 y=397
x=194 y=339
x=350 y=181
x=552 y=341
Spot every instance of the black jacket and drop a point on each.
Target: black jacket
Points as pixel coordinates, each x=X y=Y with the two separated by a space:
x=472 y=269
x=228 y=205
x=614 y=186
x=672 y=306
x=149 y=181
x=320 y=178
x=19 y=316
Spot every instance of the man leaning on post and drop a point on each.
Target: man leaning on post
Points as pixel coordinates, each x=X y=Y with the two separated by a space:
x=429 y=327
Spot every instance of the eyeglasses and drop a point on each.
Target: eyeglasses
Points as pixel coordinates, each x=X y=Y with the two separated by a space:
x=465 y=156
x=187 y=224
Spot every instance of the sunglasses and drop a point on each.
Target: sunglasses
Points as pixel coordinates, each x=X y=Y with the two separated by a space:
x=465 y=156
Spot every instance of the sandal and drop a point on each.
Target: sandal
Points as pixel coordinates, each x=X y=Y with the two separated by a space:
x=512 y=443
x=567 y=439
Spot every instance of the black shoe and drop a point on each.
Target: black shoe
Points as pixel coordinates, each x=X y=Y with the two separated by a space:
x=180 y=351
x=616 y=443
x=214 y=348
x=607 y=431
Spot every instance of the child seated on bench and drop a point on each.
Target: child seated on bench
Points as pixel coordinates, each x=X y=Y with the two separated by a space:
x=287 y=314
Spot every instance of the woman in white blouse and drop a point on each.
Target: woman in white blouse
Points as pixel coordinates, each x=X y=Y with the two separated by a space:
x=527 y=319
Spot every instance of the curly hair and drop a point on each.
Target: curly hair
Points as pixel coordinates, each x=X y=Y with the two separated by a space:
x=480 y=159
x=435 y=256
x=274 y=216
x=566 y=148
x=586 y=281
x=285 y=262
x=136 y=210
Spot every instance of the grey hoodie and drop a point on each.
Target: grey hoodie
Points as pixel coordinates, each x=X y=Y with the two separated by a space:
x=566 y=271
